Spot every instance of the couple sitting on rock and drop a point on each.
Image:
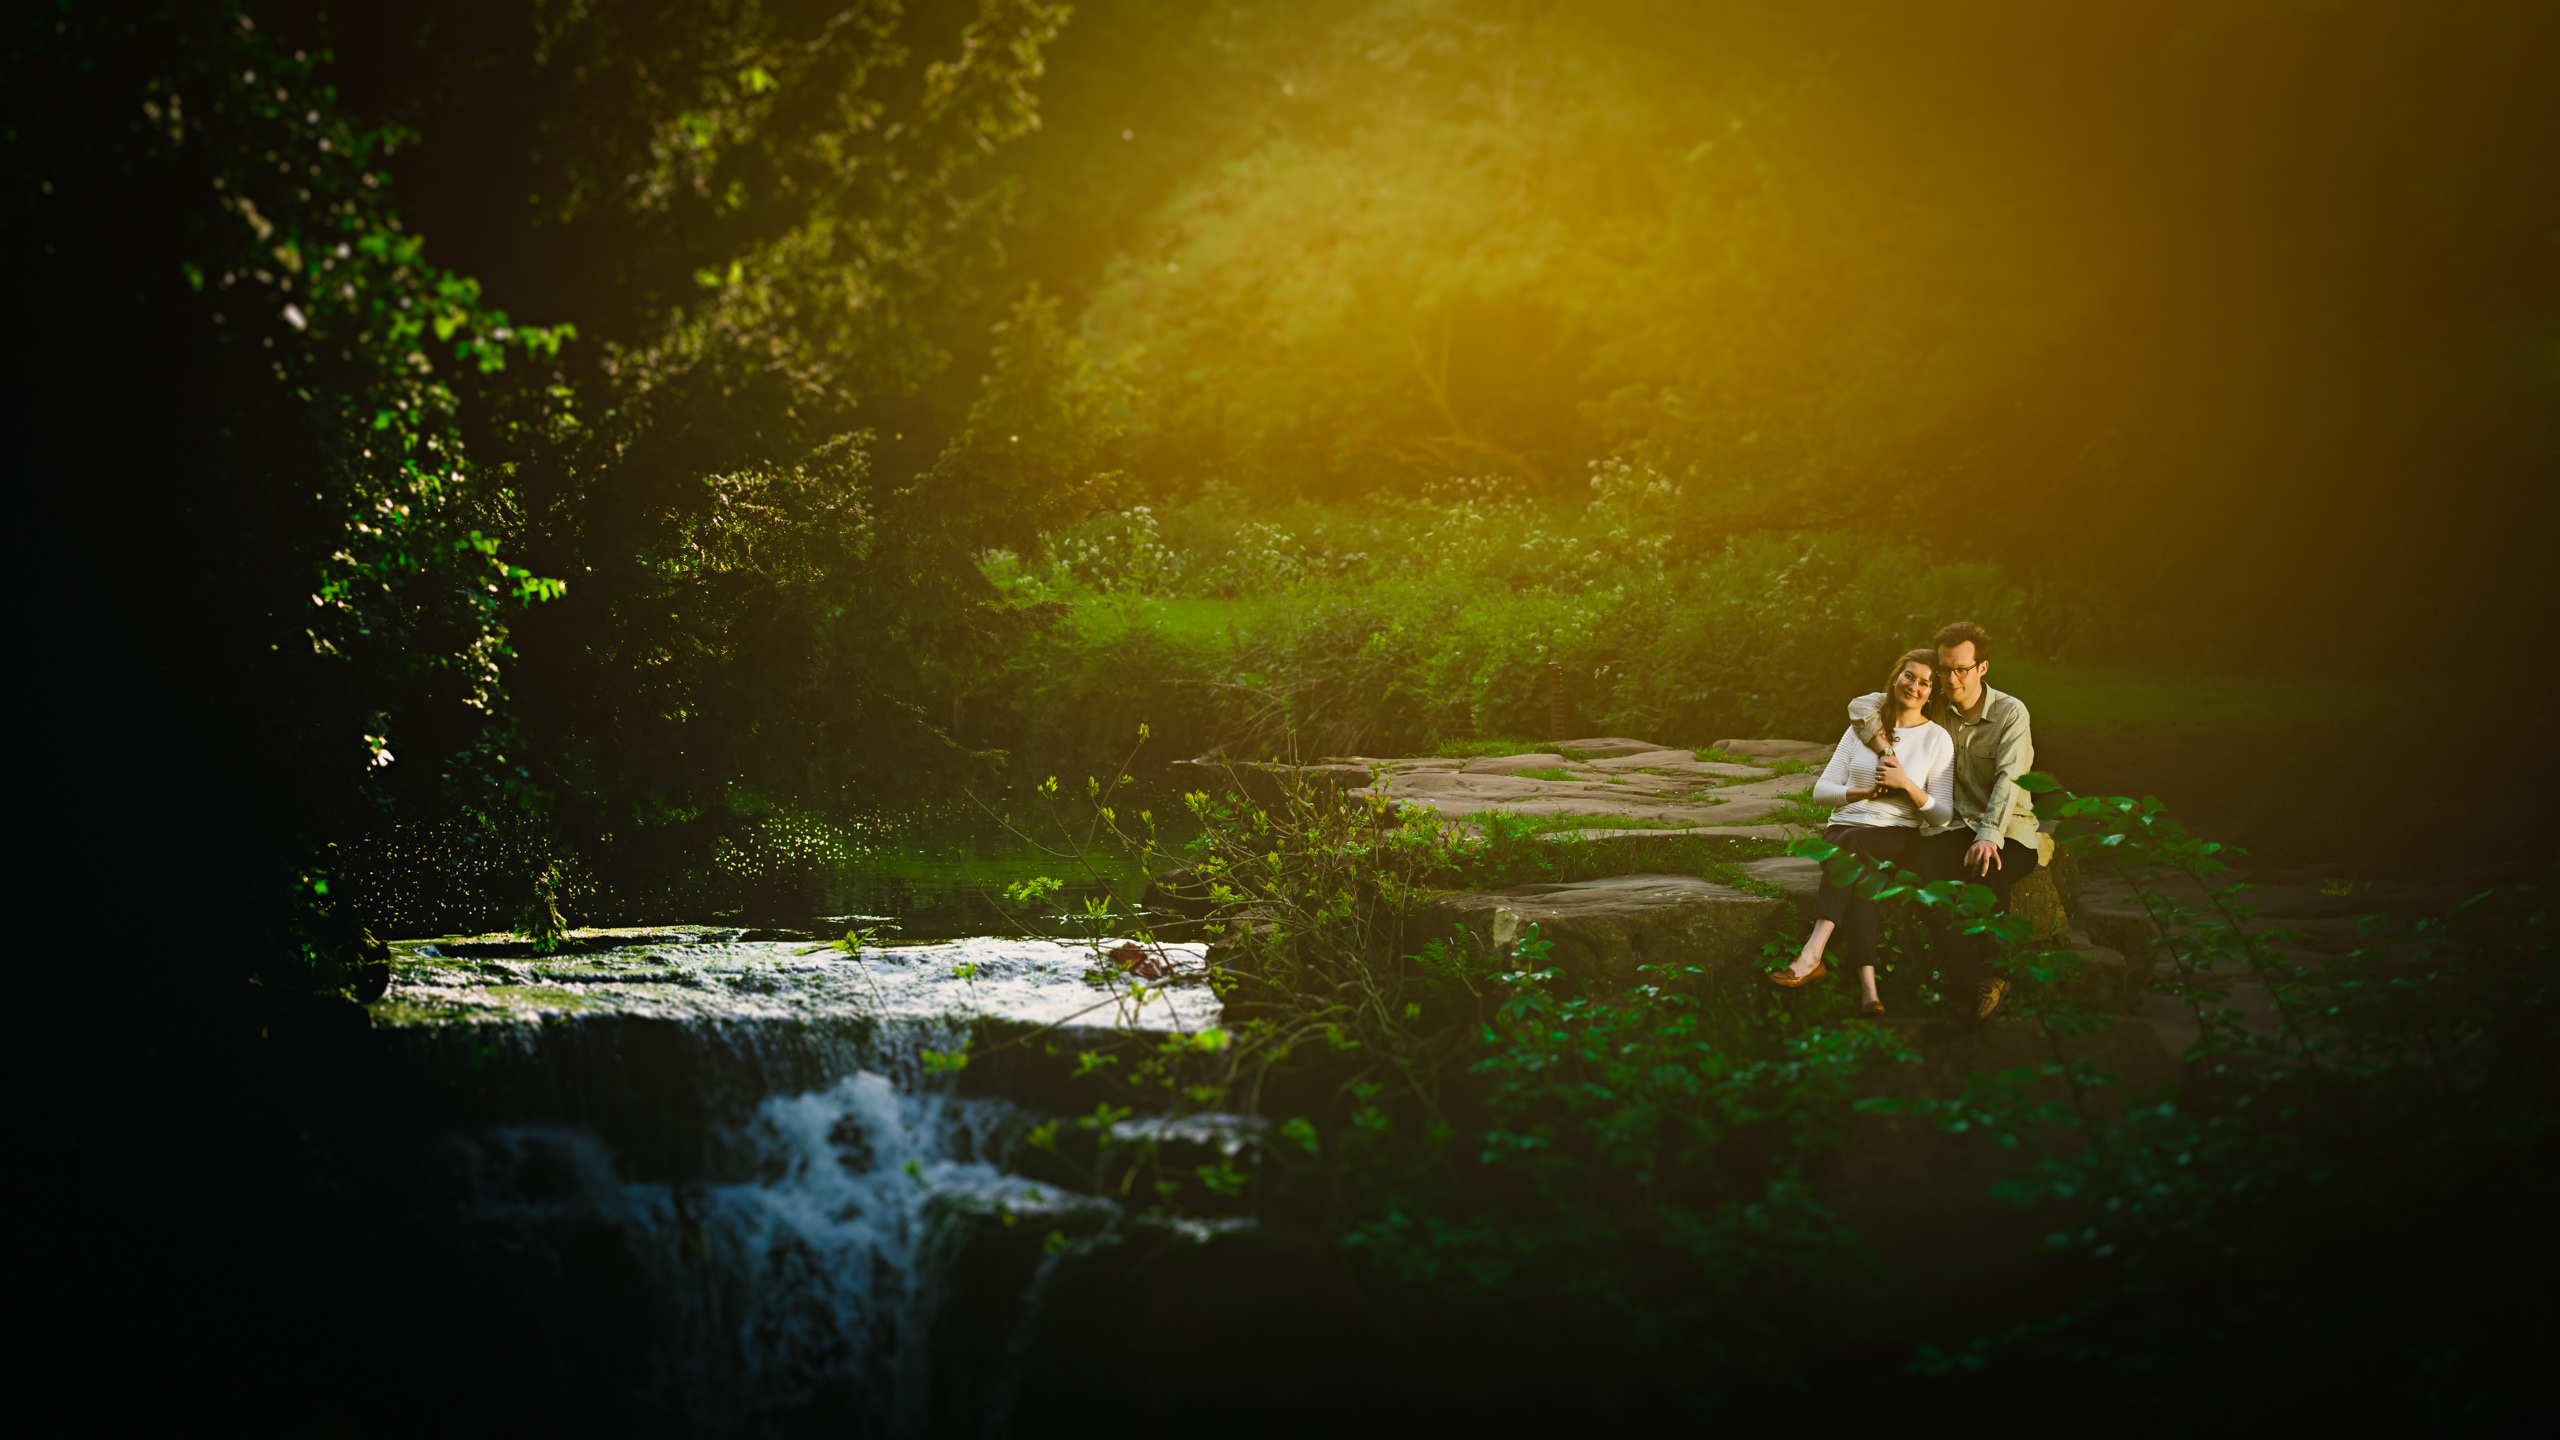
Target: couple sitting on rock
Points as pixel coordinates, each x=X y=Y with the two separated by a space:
x=1926 y=777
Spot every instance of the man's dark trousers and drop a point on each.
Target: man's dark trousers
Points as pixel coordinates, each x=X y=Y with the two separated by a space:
x=1966 y=958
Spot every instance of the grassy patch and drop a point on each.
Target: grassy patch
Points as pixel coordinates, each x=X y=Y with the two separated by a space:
x=1546 y=772
x=1481 y=749
x=1757 y=762
x=1800 y=810
x=1548 y=823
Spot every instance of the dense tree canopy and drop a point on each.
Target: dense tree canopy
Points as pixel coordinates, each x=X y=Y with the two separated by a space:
x=589 y=574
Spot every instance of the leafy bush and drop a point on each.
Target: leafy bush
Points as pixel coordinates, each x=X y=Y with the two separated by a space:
x=2405 y=1081
x=1653 y=1161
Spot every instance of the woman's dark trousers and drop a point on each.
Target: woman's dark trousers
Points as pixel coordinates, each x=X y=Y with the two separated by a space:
x=1855 y=914
x=1966 y=959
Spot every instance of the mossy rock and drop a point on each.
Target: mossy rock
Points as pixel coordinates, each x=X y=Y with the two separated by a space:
x=2039 y=899
x=2103 y=981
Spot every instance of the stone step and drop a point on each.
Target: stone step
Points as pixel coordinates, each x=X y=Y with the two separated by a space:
x=1603 y=930
x=1455 y=795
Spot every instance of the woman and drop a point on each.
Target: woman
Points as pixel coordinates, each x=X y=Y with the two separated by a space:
x=1888 y=798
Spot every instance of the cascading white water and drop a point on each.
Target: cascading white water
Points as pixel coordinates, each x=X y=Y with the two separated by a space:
x=816 y=1271
x=802 y=1275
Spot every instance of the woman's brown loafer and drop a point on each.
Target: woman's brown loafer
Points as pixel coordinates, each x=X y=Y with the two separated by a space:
x=1870 y=1007
x=1987 y=997
x=1791 y=981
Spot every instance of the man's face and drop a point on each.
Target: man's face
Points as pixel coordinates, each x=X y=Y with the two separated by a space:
x=1960 y=674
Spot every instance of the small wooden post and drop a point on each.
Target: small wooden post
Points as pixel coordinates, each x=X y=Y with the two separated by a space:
x=1555 y=701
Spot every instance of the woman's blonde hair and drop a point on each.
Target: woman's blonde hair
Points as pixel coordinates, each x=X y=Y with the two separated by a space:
x=1933 y=708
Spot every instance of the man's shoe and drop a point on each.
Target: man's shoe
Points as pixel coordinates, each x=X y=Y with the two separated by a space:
x=1987 y=997
x=1791 y=980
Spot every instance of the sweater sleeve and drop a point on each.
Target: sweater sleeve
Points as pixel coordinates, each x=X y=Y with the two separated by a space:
x=1941 y=809
x=1866 y=717
x=1833 y=787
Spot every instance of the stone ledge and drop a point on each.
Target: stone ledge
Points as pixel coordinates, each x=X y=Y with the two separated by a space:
x=1603 y=930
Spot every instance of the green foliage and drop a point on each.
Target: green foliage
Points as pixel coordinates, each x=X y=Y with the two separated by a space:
x=1799 y=809
x=1741 y=644
x=1483 y=1128
x=1823 y=267
x=353 y=475
x=2404 y=1079
x=270 y=439
x=1432 y=623
x=1655 y=1149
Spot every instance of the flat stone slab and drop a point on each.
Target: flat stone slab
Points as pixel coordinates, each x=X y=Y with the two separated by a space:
x=1514 y=764
x=1605 y=747
x=1641 y=782
x=1677 y=762
x=1799 y=877
x=1769 y=787
x=1808 y=750
x=1603 y=931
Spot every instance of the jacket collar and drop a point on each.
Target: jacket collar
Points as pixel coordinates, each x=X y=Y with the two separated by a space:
x=1990 y=697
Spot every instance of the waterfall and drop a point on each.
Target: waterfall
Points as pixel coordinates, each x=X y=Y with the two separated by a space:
x=786 y=1266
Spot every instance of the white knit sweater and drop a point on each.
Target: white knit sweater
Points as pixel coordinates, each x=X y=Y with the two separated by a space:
x=1928 y=756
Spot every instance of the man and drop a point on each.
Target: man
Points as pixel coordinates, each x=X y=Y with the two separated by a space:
x=1993 y=839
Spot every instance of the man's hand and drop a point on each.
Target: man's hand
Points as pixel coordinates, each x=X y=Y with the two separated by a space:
x=1983 y=858
x=1889 y=774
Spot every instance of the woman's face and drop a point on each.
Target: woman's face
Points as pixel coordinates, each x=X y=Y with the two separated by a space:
x=1911 y=687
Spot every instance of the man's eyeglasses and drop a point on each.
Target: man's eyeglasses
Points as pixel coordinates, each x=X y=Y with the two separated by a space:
x=1954 y=671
